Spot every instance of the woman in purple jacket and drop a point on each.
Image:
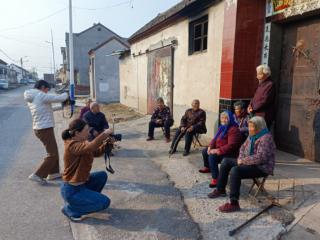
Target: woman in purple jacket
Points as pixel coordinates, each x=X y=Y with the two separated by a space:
x=256 y=159
x=262 y=103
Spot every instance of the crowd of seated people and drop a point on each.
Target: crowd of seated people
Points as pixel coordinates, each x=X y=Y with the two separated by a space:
x=243 y=144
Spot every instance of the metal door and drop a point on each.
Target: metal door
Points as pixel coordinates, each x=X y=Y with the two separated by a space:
x=297 y=124
x=160 y=77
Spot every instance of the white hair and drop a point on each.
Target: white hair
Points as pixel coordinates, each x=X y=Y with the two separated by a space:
x=258 y=122
x=93 y=104
x=265 y=69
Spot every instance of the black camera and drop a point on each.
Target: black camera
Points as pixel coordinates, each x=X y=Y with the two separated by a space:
x=116 y=137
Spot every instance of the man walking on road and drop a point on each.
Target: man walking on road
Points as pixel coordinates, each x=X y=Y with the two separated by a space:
x=39 y=102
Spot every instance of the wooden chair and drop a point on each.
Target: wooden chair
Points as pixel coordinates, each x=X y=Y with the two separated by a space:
x=260 y=186
x=196 y=140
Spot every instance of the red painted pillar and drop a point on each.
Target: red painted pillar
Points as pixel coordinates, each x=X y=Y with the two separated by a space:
x=241 y=50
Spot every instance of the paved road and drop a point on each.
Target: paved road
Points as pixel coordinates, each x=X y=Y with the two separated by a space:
x=27 y=210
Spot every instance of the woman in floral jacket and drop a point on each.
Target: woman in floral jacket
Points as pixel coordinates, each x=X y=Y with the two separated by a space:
x=256 y=159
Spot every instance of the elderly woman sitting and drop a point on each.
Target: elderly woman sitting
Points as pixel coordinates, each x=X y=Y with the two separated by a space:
x=241 y=118
x=226 y=143
x=256 y=159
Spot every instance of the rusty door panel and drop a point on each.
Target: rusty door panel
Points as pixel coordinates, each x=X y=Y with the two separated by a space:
x=160 y=77
x=297 y=124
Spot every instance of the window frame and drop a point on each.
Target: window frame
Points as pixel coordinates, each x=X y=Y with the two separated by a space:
x=202 y=21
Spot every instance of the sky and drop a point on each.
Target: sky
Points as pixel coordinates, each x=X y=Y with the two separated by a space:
x=25 y=25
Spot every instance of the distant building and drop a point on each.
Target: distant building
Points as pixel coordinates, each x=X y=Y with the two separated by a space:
x=104 y=70
x=7 y=72
x=83 y=42
x=21 y=72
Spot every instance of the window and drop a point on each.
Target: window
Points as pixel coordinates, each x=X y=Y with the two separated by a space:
x=198 y=35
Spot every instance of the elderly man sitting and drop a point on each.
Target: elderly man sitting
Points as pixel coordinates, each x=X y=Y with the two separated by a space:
x=96 y=120
x=262 y=104
x=192 y=122
x=161 y=117
x=256 y=159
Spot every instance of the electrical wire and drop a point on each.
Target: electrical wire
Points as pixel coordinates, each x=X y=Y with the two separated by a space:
x=106 y=7
x=5 y=54
x=25 y=42
x=35 y=21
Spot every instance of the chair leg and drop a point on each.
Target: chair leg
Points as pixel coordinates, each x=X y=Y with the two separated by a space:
x=260 y=186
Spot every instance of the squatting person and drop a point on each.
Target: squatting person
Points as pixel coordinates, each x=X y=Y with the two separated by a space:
x=81 y=190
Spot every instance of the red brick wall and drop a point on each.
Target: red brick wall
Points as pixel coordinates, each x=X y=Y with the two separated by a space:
x=241 y=50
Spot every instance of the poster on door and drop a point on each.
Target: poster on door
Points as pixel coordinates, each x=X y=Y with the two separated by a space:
x=280 y=5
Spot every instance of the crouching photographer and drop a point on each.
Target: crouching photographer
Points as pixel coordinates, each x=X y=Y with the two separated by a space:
x=81 y=189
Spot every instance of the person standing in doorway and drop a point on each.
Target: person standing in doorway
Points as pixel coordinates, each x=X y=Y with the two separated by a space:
x=262 y=103
x=39 y=101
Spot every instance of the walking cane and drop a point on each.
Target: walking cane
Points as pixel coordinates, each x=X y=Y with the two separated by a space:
x=234 y=231
x=175 y=145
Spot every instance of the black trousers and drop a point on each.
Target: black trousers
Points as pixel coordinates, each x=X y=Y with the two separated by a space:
x=188 y=136
x=166 y=125
x=229 y=165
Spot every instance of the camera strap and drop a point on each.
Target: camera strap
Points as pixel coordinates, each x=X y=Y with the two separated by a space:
x=107 y=161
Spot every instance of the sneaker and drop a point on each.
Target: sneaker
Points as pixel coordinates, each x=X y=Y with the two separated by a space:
x=204 y=170
x=228 y=207
x=72 y=218
x=185 y=153
x=213 y=183
x=54 y=176
x=150 y=138
x=216 y=193
x=33 y=177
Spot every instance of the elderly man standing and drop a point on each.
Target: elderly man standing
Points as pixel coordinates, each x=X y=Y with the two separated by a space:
x=96 y=120
x=192 y=122
x=262 y=104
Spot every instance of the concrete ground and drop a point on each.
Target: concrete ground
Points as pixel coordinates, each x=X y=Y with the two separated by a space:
x=153 y=196
x=27 y=210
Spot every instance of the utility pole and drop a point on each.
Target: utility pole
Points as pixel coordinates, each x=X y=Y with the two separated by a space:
x=54 y=62
x=71 y=52
x=21 y=63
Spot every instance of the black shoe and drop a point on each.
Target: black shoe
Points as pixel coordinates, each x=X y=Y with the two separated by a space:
x=185 y=153
x=172 y=151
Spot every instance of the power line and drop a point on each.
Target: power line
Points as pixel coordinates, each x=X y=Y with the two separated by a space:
x=4 y=53
x=106 y=7
x=24 y=42
x=33 y=22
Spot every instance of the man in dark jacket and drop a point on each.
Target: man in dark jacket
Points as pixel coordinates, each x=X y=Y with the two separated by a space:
x=96 y=120
x=192 y=122
x=161 y=117
x=262 y=104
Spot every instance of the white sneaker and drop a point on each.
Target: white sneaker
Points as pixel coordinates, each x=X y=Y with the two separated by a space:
x=54 y=176
x=35 y=178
